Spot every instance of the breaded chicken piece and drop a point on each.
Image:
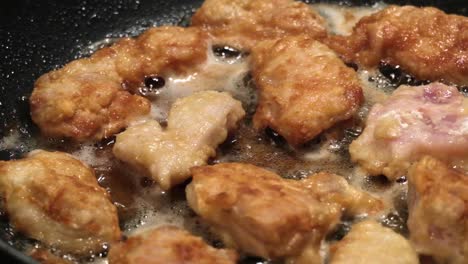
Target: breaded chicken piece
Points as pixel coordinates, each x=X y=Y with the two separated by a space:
x=243 y=23
x=300 y=94
x=369 y=242
x=411 y=123
x=56 y=199
x=438 y=211
x=85 y=100
x=260 y=213
x=197 y=124
x=168 y=245
x=425 y=42
x=334 y=189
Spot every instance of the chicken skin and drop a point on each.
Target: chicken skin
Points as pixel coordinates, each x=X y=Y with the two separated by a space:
x=438 y=210
x=56 y=199
x=243 y=23
x=197 y=124
x=168 y=245
x=425 y=42
x=299 y=92
x=369 y=242
x=85 y=100
x=411 y=123
x=260 y=213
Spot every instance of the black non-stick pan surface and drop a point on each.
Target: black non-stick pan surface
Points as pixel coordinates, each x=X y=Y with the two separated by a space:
x=39 y=36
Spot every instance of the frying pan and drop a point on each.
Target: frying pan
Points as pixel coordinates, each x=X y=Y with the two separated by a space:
x=39 y=36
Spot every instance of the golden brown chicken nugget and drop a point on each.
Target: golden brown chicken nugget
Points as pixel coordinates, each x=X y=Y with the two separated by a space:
x=258 y=212
x=438 y=210
x=56 y=199
x=168 y=245
x=243 y=23
x=304 y=88
x=84 y=100
x=426 y=42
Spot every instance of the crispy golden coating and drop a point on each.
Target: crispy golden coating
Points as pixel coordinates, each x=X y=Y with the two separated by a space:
x=243 y=23
x=258 y=212
x=413 y=122
x=168 y=245
x=54 y=198
x=369 y=242
x=334 y=189
x=438 y=210
x=300 y=94
x=425 y=42
x=85 y=99
x=197 y=124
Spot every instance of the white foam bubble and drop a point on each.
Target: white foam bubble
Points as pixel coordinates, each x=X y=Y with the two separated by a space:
x=87 y=154
x=214 y=74
x=341 y=19
x=11 y=141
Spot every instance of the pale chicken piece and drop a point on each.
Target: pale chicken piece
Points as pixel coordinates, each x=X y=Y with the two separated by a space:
x=85 y=99
x=197 y=124
x=438 y=211
x=425 y=42
x=168 y=245
x=300 y=93
x=411 y=123
x=243 y=23
x=369 y=242
x=260 y=213
x=56 y=199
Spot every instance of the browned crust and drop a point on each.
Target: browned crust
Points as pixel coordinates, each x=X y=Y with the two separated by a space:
x=426 y=42
x=84 y=100
x=300 y=94
x=168 y=244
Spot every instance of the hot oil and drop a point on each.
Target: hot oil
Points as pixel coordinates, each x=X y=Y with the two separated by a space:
x=265 y=150
x=141 y=204
x=342 y=18
x=217 y=73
